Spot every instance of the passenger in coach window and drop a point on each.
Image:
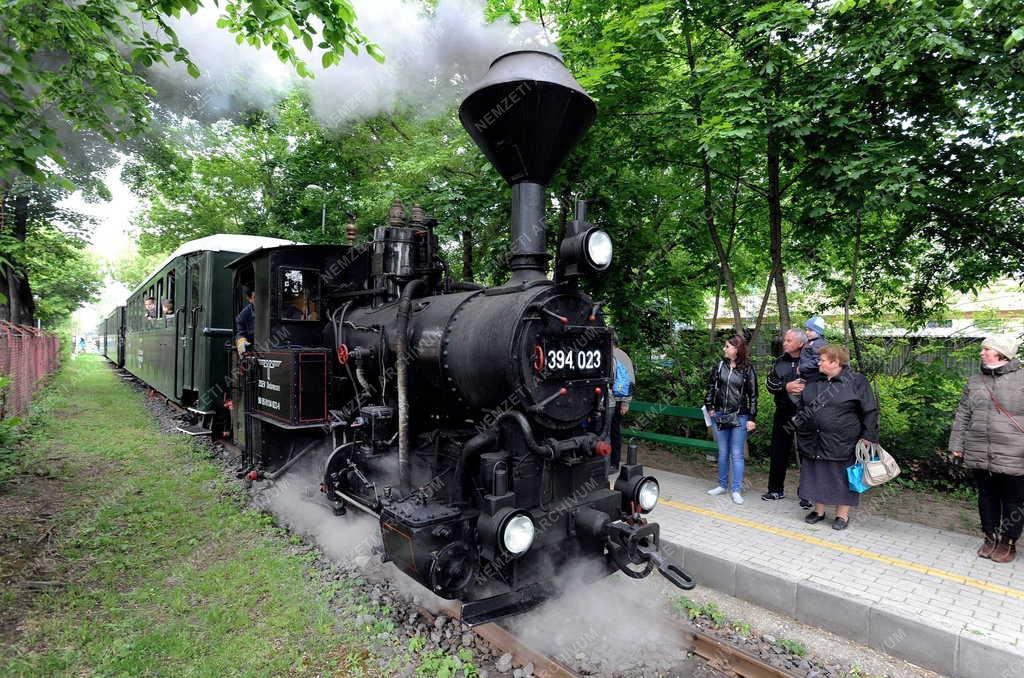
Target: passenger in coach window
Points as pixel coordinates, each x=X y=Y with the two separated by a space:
x=150 y=304
x=988 y=434
x=834 y=413
x=731 y=402
x=168 y=307
x=622 y=391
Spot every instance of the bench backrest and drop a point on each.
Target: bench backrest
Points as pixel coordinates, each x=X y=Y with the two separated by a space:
x=663 y=408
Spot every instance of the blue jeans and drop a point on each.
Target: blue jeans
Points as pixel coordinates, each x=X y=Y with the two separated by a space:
x=730 y=453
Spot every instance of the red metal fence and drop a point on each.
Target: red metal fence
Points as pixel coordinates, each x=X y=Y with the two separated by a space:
x=27 y=355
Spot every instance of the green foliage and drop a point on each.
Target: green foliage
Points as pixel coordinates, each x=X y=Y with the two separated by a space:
x=133 y=268
x=793 y=647
x=437 y=664
x=685 y=607
x=64 y=276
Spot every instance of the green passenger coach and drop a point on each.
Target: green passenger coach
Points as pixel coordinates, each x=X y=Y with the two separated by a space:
x=178 y=326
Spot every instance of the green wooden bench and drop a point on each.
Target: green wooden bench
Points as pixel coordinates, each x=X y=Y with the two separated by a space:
x=671 y=411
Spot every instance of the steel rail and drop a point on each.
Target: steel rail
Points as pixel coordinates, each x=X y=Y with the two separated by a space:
x=543 y=666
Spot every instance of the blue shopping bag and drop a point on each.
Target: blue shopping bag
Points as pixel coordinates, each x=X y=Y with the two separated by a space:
x=855 y=476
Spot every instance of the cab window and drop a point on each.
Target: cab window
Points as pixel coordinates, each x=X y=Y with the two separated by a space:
x=300 y=294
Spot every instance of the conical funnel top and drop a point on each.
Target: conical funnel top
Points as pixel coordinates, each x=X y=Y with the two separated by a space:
x=527 y=115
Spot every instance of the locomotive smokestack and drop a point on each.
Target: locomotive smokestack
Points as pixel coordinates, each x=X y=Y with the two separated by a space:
x=526 y=116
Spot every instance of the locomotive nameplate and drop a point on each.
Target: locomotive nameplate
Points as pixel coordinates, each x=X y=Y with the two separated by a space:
x=291 y=386
x=579 y=357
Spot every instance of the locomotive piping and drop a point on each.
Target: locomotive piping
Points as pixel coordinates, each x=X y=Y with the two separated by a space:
x=401 y=349
x=474 y=447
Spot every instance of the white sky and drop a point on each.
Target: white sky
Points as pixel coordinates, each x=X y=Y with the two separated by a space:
x=112 y=239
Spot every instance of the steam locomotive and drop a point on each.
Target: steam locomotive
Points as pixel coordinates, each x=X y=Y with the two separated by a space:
x=471 y=422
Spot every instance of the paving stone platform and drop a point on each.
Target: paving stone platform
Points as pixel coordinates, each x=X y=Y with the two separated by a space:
x=911 y=591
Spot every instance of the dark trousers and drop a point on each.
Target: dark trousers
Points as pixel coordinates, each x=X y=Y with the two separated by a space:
x=616 y=436
x=782 y=443
x=1000 y=503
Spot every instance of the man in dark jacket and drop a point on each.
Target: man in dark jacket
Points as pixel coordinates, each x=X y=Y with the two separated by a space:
x=782 y=382
x=245 y=324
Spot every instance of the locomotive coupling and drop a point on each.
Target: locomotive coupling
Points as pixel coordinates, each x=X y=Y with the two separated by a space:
x=633 y=547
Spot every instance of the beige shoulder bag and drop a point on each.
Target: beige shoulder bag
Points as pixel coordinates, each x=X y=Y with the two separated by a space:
x=879 y=466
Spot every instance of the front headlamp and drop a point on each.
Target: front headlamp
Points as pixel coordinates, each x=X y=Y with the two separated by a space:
x=517 y=534
x=647 y=494
x=598 y=248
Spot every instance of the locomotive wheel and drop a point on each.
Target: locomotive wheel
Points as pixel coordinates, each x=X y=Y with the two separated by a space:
x=453 y=569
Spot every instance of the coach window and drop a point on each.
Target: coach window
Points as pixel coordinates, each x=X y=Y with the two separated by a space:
x=300 y=294
x=170 y=290
x=159 y=296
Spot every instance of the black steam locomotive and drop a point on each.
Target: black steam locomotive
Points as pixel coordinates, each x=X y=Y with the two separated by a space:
x=472 y=422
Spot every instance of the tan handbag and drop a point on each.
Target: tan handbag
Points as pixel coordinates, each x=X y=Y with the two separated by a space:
x=879 y=466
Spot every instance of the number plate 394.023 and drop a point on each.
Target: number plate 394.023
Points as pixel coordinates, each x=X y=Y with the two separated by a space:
x=569 y=360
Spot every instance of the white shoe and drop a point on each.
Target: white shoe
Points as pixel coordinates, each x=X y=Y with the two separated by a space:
x=737 y=498
x=716 y=491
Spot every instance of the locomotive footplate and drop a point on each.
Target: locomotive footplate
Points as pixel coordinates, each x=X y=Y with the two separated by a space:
x=477 y=612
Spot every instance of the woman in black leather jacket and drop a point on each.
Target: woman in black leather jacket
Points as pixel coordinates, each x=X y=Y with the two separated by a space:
x=731 y=402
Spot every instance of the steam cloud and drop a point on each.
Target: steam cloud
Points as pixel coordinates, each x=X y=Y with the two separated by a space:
x=430 y=58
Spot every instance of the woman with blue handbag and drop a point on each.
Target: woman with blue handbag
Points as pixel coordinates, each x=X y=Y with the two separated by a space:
x=833 y=415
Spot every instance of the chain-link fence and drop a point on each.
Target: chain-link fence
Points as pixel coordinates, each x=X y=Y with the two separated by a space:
x=27 y=356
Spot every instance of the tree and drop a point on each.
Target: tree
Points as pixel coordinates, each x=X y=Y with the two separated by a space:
x=38 y=238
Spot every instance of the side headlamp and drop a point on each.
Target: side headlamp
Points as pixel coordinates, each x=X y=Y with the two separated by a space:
x=517 y=533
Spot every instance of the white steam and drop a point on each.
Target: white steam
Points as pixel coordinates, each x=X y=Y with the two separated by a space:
x=430 y=57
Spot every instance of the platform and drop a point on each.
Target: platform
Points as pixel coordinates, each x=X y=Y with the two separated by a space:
x=911 y=591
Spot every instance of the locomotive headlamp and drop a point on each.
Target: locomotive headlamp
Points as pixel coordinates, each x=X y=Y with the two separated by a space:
x=517 y=534
x=647 y=493
x=598 y=248
x=587 y=251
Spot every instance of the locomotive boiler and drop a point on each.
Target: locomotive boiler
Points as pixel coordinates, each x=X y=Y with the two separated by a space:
x=471 y=422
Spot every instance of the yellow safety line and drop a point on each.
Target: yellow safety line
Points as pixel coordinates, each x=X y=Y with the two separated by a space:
x=864 y=553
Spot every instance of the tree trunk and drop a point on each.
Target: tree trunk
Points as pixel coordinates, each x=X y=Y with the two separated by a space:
x=5 y=304
x=709 y=207
x=714 y=315
x=775 y=220
x=22 y=305
x=853 y=281
x=764 y=304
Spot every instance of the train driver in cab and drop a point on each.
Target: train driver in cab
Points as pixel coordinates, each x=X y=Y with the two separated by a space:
x=245 y=323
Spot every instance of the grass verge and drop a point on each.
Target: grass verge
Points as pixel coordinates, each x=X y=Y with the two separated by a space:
x=156 y=565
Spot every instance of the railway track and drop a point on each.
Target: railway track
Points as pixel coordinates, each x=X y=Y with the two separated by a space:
x=729 y=661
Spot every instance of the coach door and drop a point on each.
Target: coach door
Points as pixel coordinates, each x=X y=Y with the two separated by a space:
x=189 y=320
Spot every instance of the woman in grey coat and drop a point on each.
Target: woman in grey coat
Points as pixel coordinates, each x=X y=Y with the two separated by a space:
x=988 y=432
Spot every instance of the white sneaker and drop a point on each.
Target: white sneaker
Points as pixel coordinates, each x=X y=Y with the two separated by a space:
x=716 y=491
x=737 y=498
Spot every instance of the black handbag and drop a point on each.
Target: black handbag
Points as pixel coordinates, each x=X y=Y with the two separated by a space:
x=727 y=420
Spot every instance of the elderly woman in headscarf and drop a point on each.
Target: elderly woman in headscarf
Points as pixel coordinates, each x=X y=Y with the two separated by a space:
x=833 y=415
x=988 y=433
